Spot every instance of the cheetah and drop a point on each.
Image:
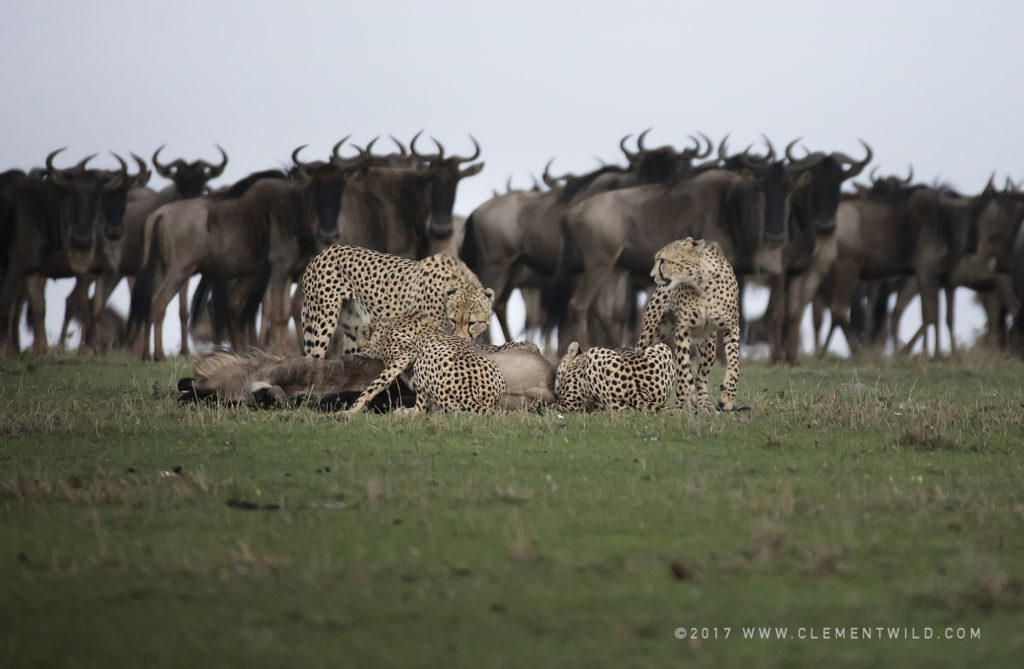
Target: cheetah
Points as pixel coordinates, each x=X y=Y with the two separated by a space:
x=371 y=285
x=447 y=370
x=614 y=379
x=696 y=298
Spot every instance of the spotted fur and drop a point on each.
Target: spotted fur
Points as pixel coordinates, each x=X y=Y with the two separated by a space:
x=447 y=370
x=614 y=379
x=348 y=286
x=696 y=298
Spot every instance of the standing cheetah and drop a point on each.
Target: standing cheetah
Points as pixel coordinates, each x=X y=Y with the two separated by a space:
x=370 y=285
x=696 y=298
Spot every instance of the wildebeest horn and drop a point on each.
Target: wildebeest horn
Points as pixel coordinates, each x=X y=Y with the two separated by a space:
x=771 y=149
x=162 y=170
x=723 y=148
x=548 y=179
x=640 y=139
x=1009 y=186
x=508 y=184
x=216 y=171
x=553 y=182
x=536 y=184
x=425 y=158
x=118 y=179
x=856 y=167
x=56 y=174
x=476 y=153
x=334 y=151
x=871 y=174
x=299 y=163
x=142 y=178
x=990 y=187
x=401 y=147
x=708 y=150
x=83 y=162
x=622 y=145
x=789 y=151
x=910 y=175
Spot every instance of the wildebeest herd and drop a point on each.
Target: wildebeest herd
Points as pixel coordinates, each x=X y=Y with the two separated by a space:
x=580 y=248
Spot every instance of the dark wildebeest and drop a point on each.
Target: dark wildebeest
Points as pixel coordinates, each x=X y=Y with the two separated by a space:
x=189 y=179
x=616 y=234
x=894 y=229
x=515 y=240
x=273 y=228
x=811 y=247
x=54 y=226
x=403 y=205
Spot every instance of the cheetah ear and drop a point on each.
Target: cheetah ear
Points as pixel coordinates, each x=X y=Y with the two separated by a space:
x=364 y=331
x=489 y=294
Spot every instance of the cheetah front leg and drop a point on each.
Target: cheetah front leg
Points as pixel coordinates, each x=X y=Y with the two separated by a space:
x=707 y=351
x=684 y=375
x=385 y=379
x=732 y=370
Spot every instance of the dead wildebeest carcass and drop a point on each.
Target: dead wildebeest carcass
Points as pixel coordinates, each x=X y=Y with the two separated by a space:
x=259 y=380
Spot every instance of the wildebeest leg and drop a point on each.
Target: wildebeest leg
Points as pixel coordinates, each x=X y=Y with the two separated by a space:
x=730 y=384
x=279 y=308
x=707 y=351
x=611 y=311
x=74 y=307
x=183 y=318
x=949 y=322
x=929 y=313
x=684 y=375
x=907 y=293
x=296 y=304
x=385 y=379
x=586 y=291
x=171 y=284
x=36 y=287
x=777 y=313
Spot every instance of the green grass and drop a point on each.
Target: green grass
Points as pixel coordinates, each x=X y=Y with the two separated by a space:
x=853 y=494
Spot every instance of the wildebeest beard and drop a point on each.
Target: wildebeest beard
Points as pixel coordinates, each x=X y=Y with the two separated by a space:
x=742 y=215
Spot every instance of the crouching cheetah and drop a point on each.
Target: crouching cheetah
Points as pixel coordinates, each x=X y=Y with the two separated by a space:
x=372 y=285
x=696 y=298
x=447 y=371
x=614 y=379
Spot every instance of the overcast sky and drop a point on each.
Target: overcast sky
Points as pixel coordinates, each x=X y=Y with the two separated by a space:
x=936 y=85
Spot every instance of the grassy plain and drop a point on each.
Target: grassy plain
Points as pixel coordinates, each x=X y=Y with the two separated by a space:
x=854 y=494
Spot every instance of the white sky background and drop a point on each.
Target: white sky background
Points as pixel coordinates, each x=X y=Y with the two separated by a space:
x=935 y=85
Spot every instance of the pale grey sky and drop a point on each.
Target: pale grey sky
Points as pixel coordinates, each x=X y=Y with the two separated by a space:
x=932 y=84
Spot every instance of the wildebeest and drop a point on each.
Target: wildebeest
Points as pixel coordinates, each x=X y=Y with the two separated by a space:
x=895 y=229
x=810 y=248
x=514 y=240
x=273 y=228
x=618 y=232
x=54 y=226
x=257 y=379
x=403 y=204
x=189 y=179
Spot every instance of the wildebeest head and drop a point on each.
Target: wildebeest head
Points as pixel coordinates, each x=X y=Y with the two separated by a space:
x=114 y=200
x=664 y=163
x=190 y=178
x=327 y=186
x=84 y=189
x=828 y=171
x=994 y=220
x=446 y=172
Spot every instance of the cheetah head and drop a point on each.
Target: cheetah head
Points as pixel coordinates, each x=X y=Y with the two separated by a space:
x=680 y=263
x=468 y=309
